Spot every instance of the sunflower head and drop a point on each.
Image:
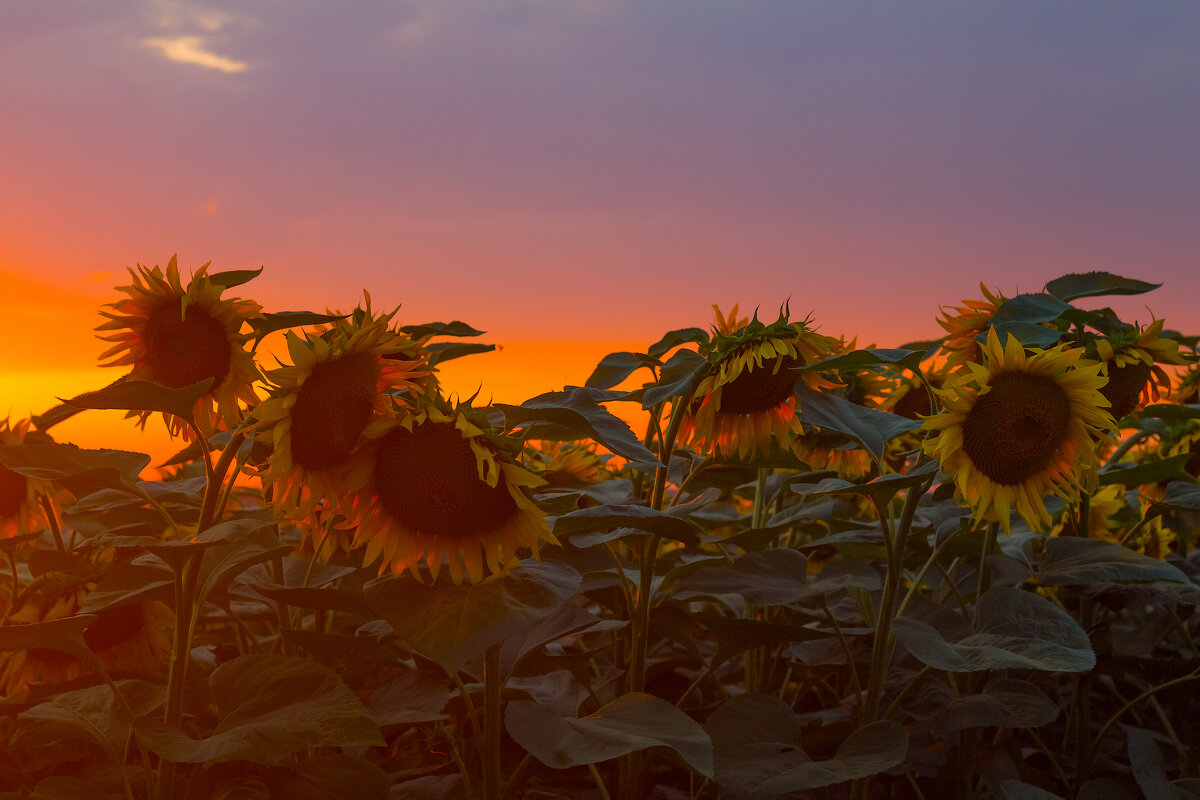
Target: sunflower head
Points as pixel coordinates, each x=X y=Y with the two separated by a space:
x=564 y=464
x=348 y=384
x=1129 y=357
x=1020 y=425
x=1104 y=507
x=746 y=399
x=439 y=486
x=20 y=510
x=963 y=323
x=177 y=335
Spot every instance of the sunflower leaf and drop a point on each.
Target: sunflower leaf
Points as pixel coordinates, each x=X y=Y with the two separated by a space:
x=578 y=408
x=632 y=722
x=736 y=635
x=882 y=488
x=1014 y=629
x=869 y=427
x=80 y=471
x=1029 y=334
x=428 y=329
x=95 y=714
x=1007 y=703
x=281 y=320
x=673 y=339
x=1013 y=789
x=1094 y=284
x=679 y=377
x=452 y=624
x=1130 y=474
x=270 y=707
x=870 y=357
x=145 y=396
x=439 y=352
x=1170 y=412
x=588 y=527
x=758 y=753
x=616 y=367
x=64 y=635
x=1030 y=308
x=234 y=277
x=1072 y=561
x=1182 y=494
x=774 y=577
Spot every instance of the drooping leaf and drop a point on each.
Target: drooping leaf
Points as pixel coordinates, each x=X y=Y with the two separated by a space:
x=774 y=578
x=868 y=357
x=1156 y=471
x=758 y=753
x=440 y=352
x=1095 y=284
x=679 y=377
x=588 y=527
x=145 y=396
x=882 y=488
x=1007 y=703
x=1029 y=334
x=234 y=277
x=673 y=339
x=237 y=544
x=1030 y=308
x=867 y=426
x=264 y=324
x=616 y=367
x=79 y=471
x=455 y=328
x=1073 y=561
x=1014 y=630
x=270 y=707
x=632 y=722
x=451 y=625
x=568 y=619
x=126 y=582
x=578 y=409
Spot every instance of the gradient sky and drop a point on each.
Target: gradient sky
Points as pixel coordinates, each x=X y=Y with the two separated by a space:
x=570 y=171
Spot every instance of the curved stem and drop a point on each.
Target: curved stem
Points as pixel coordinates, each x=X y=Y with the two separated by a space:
x=52 y=521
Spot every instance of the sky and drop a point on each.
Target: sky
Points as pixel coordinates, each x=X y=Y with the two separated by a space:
x=580 y=176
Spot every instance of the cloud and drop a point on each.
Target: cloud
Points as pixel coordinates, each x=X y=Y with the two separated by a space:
x=191 y=50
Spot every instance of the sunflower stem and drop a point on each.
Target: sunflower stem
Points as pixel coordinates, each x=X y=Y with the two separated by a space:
x=984 y=578
x=52 y=521
x=757 y=520
x=493 y=682
x=185 y=593
x=215 y=474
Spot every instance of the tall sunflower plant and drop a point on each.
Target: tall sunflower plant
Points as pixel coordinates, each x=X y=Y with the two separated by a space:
x=961 y=567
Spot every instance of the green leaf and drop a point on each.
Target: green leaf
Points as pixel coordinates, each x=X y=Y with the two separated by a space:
x=439 y=352
x=1014 y=630
x=428 y=329
x=870 y=428
x=1007 y=703
x=238 y=544
x=1018 y=790
x=679 y=377
x=883 y=488
x=616 y=367
x=62 y=462
x=1170 y=412
x=758 y=753
x=576 y=408
x=1095 y=284
x=775 y=577
x=869 y=357
x=632 y=722
x=737 y=635
x=588 y=527
x=450 y=625
x=1030 y=308
x=270 y=707
x=145 y=396
x=1150 y=768
x=126 y=582
x=95 y=714
x=337 y=776
x=415 y=696
x=264 y=324
x=1157 y=471
x=64 y=635
x=1183 y=495
x=1072 y=561
x=234 y=277
x=1030 y=334
x=673 y=339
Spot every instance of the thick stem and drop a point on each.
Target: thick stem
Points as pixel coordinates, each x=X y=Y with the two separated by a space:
x=185 y=596
x=493 y=683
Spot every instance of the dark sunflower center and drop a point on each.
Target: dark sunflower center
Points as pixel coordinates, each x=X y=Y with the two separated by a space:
x=428 y=481
x=332 y=408
x=1014 y=431
x=12 y=492
x=1124 y=387
x=113 y=626
x=759 y=389
x=181 y=351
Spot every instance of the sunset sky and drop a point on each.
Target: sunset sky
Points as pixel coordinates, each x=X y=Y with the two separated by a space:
x=579 y=176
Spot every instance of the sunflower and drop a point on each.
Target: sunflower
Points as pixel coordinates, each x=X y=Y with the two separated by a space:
x=963 y=323
x=1103 y=507
x=438 y=486
x=1187 y=391
x=20 y=509
x=563 y=464
x=747 y=397
x=1130 y=359
x=176 y=336
x=339 y=393
x=1020 y=425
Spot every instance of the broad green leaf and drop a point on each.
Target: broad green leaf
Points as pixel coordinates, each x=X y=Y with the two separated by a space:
x=1015 y=630
x=414 y=696
x=237 y=544
x=576 y=408
x=679 y=377
x=264 y=324
x=450 y=625
x=337 y=776
x=630 y=723
x=1170 y=412
x=737 y=635
x=774 y=578
x=269 y=708
x=673 y=339
x=869 y=357
x=440 y=352
x=1030 y=308
x=64 y=635
x=882 y=488
x=1183 y=495
x=616 y=367
x=869 y=427
x=588 y=527
x=1073 y=561
x=1007 y=703
x=126 y=582
x=59 y=413
x=64 y=787
x=1095 y=284
x=567 y=620
x=145 y=396
x=1018 y=790
x=80 y=471
x=1029 y=334
x=95 y=714
x=1150 y=768
x=758 y=753
x=234 y=277
x=454 y=328
x=1156 y=471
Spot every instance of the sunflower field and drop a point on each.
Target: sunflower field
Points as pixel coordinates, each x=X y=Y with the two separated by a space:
x=960 y=568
